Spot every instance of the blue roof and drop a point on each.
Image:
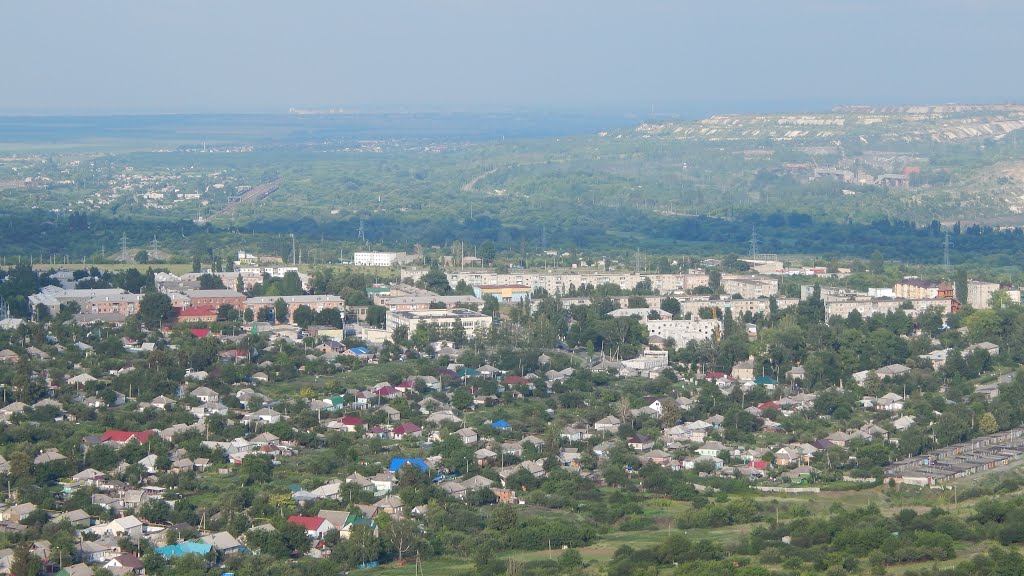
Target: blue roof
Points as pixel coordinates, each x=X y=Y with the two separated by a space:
x=360 y=350
x=500 y=424
x=183 y=549
x=765 y=380
x=397 y=463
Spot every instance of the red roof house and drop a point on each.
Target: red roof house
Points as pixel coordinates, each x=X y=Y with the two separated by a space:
x=407 y=428
x=314 y=526
x=122 y=436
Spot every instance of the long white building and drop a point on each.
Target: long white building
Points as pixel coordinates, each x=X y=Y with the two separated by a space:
x=375 y=258
x=473 y=322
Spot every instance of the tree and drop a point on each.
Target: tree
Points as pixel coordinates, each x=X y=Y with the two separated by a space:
x=280 y=311
x=25 y=563
x=570 y=560
x=303 y=316
x=672 y=306
x=987 y=424
x=715 y=281
x=877 y=263
x=154 y=309
x=363 y=544
x=295 y=537
x=503 y=518
x=211 y=282
x=257 y=469
x=197 y=266
x=436 y=281
x=402 y=535
x=227 y=313
x=376 y=315
x=142 y=257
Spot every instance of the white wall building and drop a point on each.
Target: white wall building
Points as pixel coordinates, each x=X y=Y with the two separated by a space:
x=473 y=322
x=683 y=331
x=375 y=258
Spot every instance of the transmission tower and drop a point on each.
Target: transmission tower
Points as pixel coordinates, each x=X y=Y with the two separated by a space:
x=124 y=247
x=753 y=242
x=154 y=247
x=362 y=232
x=946 y=244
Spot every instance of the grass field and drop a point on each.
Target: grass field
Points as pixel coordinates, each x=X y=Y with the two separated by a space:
x=602 y=550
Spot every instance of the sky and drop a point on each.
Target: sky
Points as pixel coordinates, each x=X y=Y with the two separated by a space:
x=185 y=56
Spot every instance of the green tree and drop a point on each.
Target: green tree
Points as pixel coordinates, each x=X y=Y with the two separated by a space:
x=25 y=563
x=154 y=309
x=503 y=518
x=142 y=257
x=715 y=281
x=570 y=561
x=376 y=315
x=671 y=305
x=211 y=282
x=280 y=311
x=227 y=313
x=987 y=424
x=303 y=316
x=256 y=469
x=877 y=264
x=436 y=280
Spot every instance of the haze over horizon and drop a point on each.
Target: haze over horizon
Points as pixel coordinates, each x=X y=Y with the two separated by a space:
x=120 y=57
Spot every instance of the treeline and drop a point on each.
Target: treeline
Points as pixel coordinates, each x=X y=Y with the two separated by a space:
x=592 y=228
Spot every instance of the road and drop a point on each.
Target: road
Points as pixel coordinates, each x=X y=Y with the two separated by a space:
x=256 y=193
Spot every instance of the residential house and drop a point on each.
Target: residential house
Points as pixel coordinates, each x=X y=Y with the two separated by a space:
x=407 y=429
x=315 y=526
x=224 y=543
x=712 y=449
x=608 y=424
x=468 y=436
x=204 y=394
x=125 y=564
x=743 y=370
x=640 y=443
x=337 y=518
x=390 y=505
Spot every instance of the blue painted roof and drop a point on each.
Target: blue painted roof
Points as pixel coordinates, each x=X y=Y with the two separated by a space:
x=765 y=380
x=500 y=424
x=397 y=463
x=184 y=548
x=360 y=350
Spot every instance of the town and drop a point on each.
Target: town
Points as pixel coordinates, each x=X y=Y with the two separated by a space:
x=271 y=412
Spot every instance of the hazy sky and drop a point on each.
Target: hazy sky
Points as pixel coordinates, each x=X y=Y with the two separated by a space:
x=265 y=56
